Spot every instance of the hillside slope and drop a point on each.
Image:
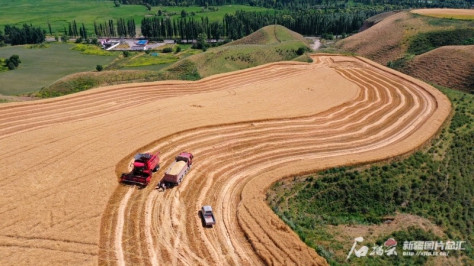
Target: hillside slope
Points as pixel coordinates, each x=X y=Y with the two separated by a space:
x=396 y=40
x=272 y=34
x=453 y=65
x=269 y=44
x=390 y=39
x=383 y=41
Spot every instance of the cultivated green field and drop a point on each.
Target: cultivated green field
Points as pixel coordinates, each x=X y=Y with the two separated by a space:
x=60 y=12
x=212 y=15
x=42 y=66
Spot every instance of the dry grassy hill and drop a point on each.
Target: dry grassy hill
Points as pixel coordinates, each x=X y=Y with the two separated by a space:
x=398 y=38
x=453 y=65
x=383 y=42
x=272 y=34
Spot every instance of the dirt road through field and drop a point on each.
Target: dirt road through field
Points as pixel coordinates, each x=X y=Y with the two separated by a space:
x=246 y=129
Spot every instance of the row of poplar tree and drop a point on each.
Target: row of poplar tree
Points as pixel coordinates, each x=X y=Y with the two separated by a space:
x=233 y=26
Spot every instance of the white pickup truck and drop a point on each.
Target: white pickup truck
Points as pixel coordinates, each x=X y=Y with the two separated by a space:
x=208 y=216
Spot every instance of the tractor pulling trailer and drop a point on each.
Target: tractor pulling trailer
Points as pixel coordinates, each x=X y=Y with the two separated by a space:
x=176 y=172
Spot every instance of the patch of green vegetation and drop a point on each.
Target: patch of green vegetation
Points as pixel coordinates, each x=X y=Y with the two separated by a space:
x=153 y=60
x=435 y=183
x=303 y=58
x=74 y=85
x=41 y=67
x=451 y=16
x=427 y=41
x=185 y=70
x=143 y=67
x=236 y=57
x=272 y=34
x=445 y=22
x=149 y=59
x=213 y=13
x=269 y=44
x=90 y=49
x=187 y=51
x=401 y=62
x=37 y=46
x=4 y=101
x=3 y=66
x=83 y=81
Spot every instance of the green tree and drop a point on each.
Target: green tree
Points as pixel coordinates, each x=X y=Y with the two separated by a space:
x=99 y=68
x=2 y=39
x=167 y=50
x=15 y=59
x=10 y=65
x=13 y=62
x=202 y=41
x=301 y=50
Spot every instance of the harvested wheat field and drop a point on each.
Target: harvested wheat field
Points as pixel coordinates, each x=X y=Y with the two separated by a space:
x=61 y=158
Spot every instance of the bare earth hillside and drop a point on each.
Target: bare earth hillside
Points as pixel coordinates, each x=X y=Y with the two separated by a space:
x=61 y=202
x=453 y=65
x=388 y=40
x=383 y=41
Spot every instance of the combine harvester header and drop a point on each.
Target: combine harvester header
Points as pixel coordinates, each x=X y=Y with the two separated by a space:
x=144 y=165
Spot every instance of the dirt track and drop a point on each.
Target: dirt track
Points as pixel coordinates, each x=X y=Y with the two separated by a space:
x=246 y=129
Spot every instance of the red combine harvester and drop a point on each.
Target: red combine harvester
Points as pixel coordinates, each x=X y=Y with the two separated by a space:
x=178 y=169
x=143 y=167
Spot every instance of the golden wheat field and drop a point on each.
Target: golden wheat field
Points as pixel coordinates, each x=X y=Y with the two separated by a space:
x=61 y=201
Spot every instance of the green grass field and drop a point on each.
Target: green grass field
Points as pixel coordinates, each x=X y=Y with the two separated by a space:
x=212 y=15
x=59 y=12
x=42 y=66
